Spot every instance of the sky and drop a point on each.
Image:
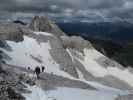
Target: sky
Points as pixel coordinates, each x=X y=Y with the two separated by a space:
x=68 y=10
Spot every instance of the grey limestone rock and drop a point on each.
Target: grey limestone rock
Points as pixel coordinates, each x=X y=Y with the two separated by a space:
x=125 y=97
x=75 y=42
x=42 y=23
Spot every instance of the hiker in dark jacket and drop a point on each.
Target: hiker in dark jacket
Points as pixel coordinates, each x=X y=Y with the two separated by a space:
x=37 y=71
x=43 y=68
x=28 y=68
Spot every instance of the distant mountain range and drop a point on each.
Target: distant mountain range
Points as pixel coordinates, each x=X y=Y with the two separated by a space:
x=119 y=32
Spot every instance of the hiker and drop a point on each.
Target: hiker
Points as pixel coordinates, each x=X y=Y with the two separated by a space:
x=43 y=68
x=37 y=72
x=28 y=68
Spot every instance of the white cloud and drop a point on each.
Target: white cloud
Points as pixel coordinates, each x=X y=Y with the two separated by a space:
x=53 y=7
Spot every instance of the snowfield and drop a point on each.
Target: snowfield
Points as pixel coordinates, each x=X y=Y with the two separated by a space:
x=70 y=94
x=97 y=70
x=80 y=94
x=31 y=53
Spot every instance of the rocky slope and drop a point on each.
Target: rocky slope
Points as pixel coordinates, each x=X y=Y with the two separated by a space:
x=121 y=53
x=73 y=65
x=12 y=83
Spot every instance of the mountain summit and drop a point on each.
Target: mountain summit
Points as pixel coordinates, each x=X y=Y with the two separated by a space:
x=41 y=23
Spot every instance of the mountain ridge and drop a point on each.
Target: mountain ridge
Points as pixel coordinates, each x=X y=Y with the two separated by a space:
x=72 y=64
x=118 y=32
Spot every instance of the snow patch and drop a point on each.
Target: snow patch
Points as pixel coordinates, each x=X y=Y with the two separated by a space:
x=80 y=94
x=123 y=75
x=81 y=76
x=70 y=54
x=43 y=33
x=36 y=93
x=91 y=65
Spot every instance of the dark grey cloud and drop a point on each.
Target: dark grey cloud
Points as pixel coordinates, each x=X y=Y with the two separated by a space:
x=67 y=10
x=105 y=4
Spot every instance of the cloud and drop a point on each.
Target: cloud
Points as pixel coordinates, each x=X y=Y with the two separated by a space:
x=105 y=4
x=91 y=10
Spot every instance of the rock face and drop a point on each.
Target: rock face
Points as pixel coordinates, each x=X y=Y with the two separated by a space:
x=75 y=42
x=9 y=84
x=45 y=25
x=125 y=97
x=65 y=61
x=13 y=32
x=7 y=92
x=52 y=81
x=12 y=83
x=10 y=32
